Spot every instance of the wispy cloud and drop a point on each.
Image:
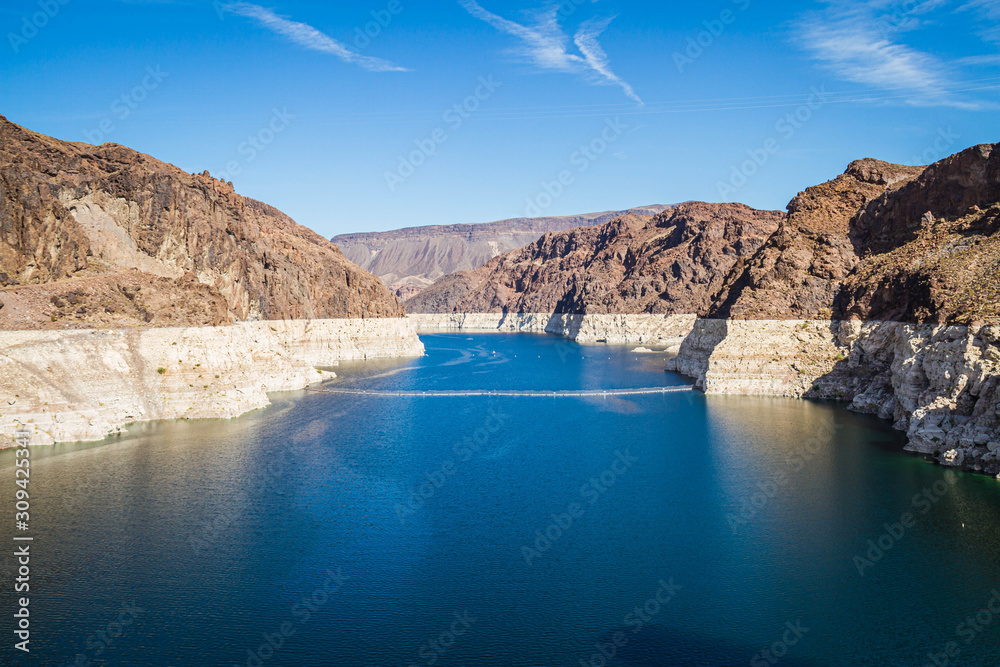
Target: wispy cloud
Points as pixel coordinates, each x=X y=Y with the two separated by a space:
x=309 y=37
x=546 y=45
x=850 y=40
x=989 y=14
x=976 y=61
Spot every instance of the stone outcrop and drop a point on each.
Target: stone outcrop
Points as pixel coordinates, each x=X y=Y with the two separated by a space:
x=673 y=263
x=949 y=189
x=84 y=385
x=133 y=291
x=798 y=272
x=409 y=260
x=939 y=384
x=758 y=357
x=70 y=213
x=930 y=250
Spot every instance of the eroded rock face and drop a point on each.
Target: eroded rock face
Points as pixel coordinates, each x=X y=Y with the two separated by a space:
x=939 y=384
x=930 y=250
x=68 y=386
x=948 y=189
x=672 y=263
x=72 y=212
x=798 y=272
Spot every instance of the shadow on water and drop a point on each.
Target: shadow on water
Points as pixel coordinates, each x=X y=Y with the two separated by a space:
x=659 y=646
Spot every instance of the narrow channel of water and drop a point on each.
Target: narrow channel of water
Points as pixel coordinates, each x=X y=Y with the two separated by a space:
x=666 y=529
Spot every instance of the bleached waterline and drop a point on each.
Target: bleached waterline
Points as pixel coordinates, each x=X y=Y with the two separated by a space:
x=525 y=394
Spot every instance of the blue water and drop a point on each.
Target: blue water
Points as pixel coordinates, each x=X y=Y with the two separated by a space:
x=694 y=530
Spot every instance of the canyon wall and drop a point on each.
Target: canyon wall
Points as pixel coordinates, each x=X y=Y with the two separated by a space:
x=938 y=383
x=409 y=260
x=880 y=288
x=672 y=263
x=83 y=385
x=105 y=236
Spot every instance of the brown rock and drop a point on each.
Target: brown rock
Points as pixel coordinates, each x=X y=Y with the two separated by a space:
x=930 y=251
x=411 y=259
x=73 y=211
x=797 y=273
x=674 y=262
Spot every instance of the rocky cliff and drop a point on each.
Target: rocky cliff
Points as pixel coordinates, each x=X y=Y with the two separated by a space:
x=82 y=385
x=939 y=384
x=930 y=250
x=106 y=236
x=673 y=263
x=916 y=338
x=800 y=269
x=408 y=260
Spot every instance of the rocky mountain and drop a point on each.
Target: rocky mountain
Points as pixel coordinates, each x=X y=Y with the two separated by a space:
x=930 y=250
x=880 y=242
x=408 y=260
x=674 y=262
x=798 y=272
x=106 y=236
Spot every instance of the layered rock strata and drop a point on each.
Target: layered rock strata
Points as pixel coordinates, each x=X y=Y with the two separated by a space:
x=409 y=260
x=939 y=384
x=84 y=385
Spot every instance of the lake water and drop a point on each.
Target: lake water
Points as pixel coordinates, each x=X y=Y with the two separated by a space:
x=672 y=529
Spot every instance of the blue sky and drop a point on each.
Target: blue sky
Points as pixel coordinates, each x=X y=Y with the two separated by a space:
x=379 y=114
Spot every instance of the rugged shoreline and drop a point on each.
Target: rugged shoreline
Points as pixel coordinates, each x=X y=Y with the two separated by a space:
x=84 y=385
x=939 y=384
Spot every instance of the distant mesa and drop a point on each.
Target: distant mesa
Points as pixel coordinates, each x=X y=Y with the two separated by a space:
x=408 y=260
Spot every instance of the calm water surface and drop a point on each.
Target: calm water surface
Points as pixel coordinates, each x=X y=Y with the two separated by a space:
x=369 y=531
